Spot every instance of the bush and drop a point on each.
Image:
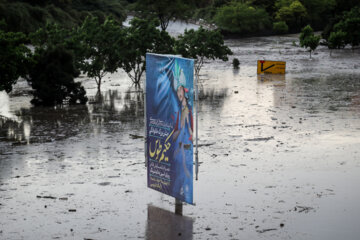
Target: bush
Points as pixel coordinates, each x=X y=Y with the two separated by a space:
x=239 y=17
x=280 y=27
x=337 y=40
x=52 y=79
x=350 y=25
x=14 y=58
x=236 y=63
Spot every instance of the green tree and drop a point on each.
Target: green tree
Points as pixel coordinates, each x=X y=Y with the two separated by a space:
x=240 y=17
x=52 y=78
x=299 y=11
x=141 y=37
x=292 y=12
x=280 y=27
x=100 y=43
x=350 y=24
x=345 y=5
x=337 y=40
x=202 y=44
x=15 y=58
x=269 y=5
x=319 y=12
x=164 y=10
x=52 y=34
x=308 y=39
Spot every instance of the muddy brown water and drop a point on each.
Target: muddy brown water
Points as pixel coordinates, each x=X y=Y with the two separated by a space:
x=279 y=156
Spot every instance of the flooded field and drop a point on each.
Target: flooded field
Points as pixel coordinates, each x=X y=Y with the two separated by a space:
x=279 y=156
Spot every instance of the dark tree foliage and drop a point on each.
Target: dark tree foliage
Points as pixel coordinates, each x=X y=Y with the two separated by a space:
x=345 y=5
x=29 y=15
x=164 y=10
x=337 y=40
x=319 y=12
x=269 y=5
x=142 y=37
x=350 y=25
x=280 y=27
x=15 y=58
x=101 y=48
x=202 y=44
x=237 y=17
x=52 y=79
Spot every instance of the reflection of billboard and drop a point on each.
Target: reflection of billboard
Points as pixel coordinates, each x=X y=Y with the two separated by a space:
x=169 y=123
x=276 y=67
x=165 y=225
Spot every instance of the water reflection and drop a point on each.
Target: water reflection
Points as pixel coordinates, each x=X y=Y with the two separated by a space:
x=211 y=97
x=264 y=78
x=164 y=225
x=45 y=124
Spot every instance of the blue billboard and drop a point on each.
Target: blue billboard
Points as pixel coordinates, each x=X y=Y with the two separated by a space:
x=169 y=125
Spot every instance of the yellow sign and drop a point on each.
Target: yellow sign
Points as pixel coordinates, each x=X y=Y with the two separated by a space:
x=276 y=67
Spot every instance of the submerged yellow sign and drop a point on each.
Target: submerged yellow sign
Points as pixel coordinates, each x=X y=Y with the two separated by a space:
x=276 y=67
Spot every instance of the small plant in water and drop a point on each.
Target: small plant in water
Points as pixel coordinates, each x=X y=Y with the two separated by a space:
x=236 y=63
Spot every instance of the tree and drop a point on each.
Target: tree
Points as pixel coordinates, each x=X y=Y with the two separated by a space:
x=15 y=58
x=164 y=10
x=336 y=40
x=240 y=17
x=52 y=35
x=350 y=24
x=292 y=12
x=267 y=4
x=202 y=44
x=52 y=78
x=141 y=37
x=280 y=27
x=299 y=12
x=101 y=43
x=319 y=12
x=308 y=39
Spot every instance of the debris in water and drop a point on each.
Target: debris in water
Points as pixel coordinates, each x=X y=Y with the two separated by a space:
x=47 y=197
x=133 y=136
x=260 y=139
x=303 y=209
x=266 y=230
x=104 y=183
x=247 y=150
x=204 y=145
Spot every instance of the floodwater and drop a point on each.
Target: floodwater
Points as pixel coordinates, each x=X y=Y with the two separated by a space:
x=279 y=156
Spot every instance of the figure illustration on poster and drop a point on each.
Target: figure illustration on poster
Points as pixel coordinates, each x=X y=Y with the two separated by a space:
x=182 y=137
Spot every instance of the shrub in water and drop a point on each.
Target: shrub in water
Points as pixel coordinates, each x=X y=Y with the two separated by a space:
x=52 y=79
x=236 y=63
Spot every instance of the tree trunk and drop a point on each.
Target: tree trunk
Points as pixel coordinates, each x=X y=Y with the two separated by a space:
x=99 y=85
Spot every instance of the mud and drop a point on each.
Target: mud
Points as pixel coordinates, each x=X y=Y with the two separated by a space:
x=280 y=156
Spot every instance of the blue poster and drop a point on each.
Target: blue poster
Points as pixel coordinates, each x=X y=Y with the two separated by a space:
x=169 y=125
